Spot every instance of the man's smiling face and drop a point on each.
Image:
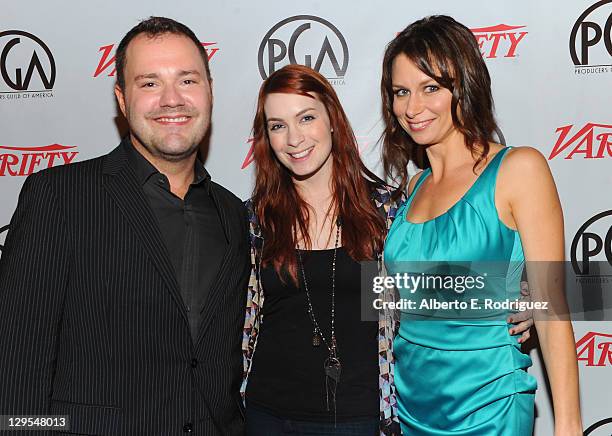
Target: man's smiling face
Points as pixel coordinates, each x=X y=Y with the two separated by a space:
x=167 y=97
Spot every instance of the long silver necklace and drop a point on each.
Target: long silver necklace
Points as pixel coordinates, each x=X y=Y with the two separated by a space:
x=331 y=366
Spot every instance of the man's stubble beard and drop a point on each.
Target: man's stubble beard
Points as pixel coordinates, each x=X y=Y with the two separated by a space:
x=156 y=146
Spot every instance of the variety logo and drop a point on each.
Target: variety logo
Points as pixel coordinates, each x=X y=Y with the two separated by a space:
x=592 y=141
x=590 y=42
x=600 y=428
x=501 y=40
x=106 y=65
x=250 y=157
x=305 y=40
x=27 y=66
x=594 y=238
x=23 y=161
x=595 y=349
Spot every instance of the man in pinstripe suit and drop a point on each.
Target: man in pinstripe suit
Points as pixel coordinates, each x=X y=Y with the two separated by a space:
x=123 y=279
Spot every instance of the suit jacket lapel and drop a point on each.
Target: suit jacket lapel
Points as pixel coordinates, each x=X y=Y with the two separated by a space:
x=214 y=296
x=121 y=184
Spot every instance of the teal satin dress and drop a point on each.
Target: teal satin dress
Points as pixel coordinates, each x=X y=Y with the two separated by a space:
x=461 y=373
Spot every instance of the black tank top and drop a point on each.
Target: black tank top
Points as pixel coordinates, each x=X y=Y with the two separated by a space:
x=287 y=377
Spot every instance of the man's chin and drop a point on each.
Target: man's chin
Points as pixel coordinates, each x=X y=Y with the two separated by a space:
x=176 y=151
x=177 y=155
x=171 y=148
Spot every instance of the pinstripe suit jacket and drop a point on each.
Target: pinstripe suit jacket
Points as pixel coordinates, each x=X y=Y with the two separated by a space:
x=92 y=323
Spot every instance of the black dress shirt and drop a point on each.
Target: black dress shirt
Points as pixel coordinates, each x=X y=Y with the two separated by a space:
x=191 y=229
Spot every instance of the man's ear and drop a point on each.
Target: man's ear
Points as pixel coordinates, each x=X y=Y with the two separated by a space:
x=120 y=99
x=212 y=96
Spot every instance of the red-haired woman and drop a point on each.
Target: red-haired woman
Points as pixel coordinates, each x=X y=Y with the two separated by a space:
x=315 y=213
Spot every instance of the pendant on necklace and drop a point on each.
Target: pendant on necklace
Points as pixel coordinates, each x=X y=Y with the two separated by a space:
x=316 y=339
x=332 y=368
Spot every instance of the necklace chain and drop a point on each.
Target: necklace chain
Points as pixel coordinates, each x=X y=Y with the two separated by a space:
x=332 y=366
x=317 y=332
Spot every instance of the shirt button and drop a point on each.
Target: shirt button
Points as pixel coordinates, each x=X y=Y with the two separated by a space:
x=194 y=362
x=188 y=428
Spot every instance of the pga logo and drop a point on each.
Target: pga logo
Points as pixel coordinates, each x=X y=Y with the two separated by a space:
x=593 y=239
x=600 y=428
x=26 y=63
x=305 y=40
x=590 y=42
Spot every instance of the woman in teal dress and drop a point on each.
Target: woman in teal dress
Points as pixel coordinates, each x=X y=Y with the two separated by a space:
x=476 y=202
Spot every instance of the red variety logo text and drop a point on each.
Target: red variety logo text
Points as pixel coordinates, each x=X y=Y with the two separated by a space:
x=23 y=161
x=592 y=141
x=107 y=58
x=490 y=39
x=595 y=349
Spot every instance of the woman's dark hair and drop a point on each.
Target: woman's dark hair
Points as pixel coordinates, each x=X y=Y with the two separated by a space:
x=153 y=27
x=446 y=51
x=281 y=212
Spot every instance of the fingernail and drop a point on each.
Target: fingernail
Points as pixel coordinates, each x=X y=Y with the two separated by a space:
x=511 y=331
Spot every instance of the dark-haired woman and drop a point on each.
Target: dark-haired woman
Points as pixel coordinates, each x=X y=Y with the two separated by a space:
x=475 y=201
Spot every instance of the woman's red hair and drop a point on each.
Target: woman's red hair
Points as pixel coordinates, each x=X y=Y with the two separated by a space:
x=281 y=212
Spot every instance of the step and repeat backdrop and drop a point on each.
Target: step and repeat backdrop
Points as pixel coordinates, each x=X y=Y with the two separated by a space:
x=550 y=62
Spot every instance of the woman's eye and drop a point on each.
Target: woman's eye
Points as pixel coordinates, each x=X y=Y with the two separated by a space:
x=308 y=118
x=401 y=92
x=273 y=127
x=431 y=88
